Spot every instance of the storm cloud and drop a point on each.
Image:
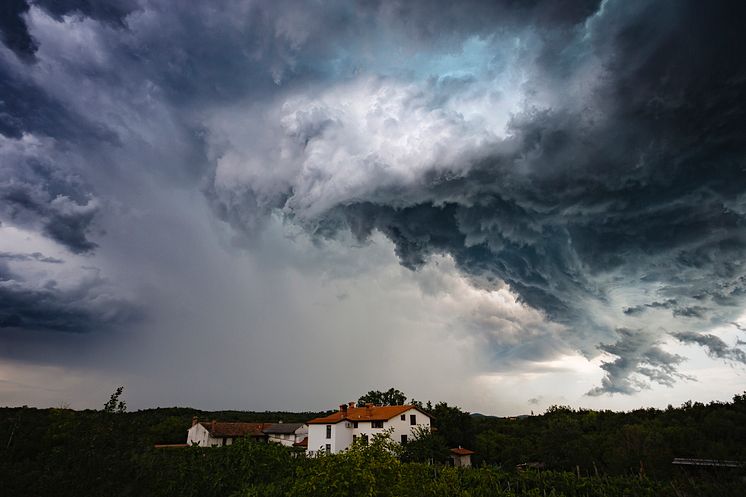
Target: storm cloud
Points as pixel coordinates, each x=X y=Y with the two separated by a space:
x=579 y=163
x=715 y=346
x=51 y=306
x=617 y=179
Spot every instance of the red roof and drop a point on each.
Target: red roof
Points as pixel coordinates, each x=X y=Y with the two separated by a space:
x=367 y=413
x=219 y=429
x=462 y=452
x=302 y=443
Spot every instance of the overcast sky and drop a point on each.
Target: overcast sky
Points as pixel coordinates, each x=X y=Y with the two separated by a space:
x=282 y=205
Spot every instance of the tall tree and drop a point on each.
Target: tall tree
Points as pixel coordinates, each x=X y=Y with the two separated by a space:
x=391 y=397
x=454 y=425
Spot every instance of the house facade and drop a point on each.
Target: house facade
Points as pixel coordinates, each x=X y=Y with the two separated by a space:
x=220 y=433
x=288 y=434
x=336 y=432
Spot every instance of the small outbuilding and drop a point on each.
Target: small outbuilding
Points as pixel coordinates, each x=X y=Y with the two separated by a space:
x=461 y=458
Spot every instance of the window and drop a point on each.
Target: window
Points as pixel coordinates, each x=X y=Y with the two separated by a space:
x=364 y=438
x=376 y=424
x=328 y=448
x=354 y=437
x=412 y=419
x=328 y=431
x=403 y=417
x=403 y=439
x=354 y=424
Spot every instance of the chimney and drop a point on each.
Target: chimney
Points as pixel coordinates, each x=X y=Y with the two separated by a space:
x=195 y=420
x=351 y=404
x=342 y=407
x=369 y=408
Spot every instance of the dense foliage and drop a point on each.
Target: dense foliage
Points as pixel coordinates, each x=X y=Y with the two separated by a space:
x=586 y=453
x=391 y=397
x=614 y=443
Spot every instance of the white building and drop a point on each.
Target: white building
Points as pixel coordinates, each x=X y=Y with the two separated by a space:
x=287 y=434
x=219 y=433
x=335 y=433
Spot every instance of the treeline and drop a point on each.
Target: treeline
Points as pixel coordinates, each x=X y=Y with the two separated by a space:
x=585 y=453
x=603 y=443
x=607 y=442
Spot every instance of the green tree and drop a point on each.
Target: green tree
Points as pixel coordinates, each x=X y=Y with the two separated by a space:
x=370 y=470
x=391 y=397
x=454 y=425
x=425 y=446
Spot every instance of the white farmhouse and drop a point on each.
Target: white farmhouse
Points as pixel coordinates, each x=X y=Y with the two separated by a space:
x=220 y=433
x=335 y=433
x=287 y=434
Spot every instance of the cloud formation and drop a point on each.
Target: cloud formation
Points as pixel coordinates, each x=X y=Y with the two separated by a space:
x=37 y=193
x=714 y=345
x=610 y=184
x=86 y=306
x=580 y=160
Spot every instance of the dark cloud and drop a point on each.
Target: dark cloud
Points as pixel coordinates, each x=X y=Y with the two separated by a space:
x=639 y=359
x=26 y=108
x=34 y=256
x=715 y=346
x=53 y=199
x=84 y=307
x=620 y=168
x=15 y=33
x=650 y=190
x=13 y=29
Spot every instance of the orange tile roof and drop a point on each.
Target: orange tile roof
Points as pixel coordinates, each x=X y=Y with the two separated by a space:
x=462 y=452
x=225 y=429
x=302 y=443
x=368 y=413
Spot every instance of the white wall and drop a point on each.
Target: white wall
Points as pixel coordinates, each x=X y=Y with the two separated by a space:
x=342 y=433
x=286 y=439
x=198 y=434
x=317 y=438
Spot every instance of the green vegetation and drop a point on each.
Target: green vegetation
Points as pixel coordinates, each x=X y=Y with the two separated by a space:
x=614 y=443
x=391 y=397
x=61 y=452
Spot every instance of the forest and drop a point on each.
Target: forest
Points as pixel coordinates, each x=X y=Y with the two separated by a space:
x=571 y=452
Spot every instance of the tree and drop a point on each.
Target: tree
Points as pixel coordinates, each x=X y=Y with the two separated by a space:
x=391 y=397
x=454 y=425
x=425 y=446
x=114 y=404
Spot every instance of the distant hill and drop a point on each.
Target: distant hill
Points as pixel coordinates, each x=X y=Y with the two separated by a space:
x=483 y=416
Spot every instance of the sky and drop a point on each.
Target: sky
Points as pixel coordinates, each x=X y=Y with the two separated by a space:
x=283 y=205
